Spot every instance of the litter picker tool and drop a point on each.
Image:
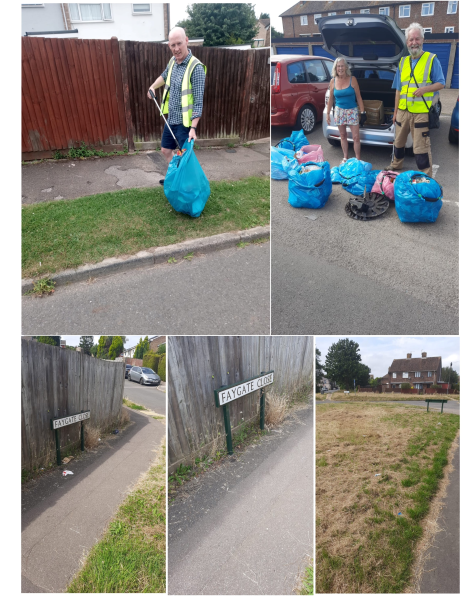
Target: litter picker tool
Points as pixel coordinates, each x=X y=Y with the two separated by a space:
x=165 y=120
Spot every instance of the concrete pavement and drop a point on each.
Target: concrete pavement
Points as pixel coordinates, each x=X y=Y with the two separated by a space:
x=63 y=517
x=246 y=527
x=150 y=396
x=226 y=292
x=67 y=179
x=441 y=571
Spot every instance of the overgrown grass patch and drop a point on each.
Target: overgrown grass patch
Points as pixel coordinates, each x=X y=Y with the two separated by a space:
x=378 y=468
x=307 y=583
x=131 y=557
x=132 y=405
x=65 y=234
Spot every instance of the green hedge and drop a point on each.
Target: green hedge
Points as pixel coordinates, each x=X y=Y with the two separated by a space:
x=162 y=368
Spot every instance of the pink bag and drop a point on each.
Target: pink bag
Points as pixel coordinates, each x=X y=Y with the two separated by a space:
x=384 y=184
x=312 y=153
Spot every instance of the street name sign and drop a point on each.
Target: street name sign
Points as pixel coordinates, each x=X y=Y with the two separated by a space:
x=228 y=394
x=57 y=423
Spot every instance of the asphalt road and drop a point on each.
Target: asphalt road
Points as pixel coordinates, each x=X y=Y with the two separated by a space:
x=247 y=526
x=335 y=274
x=149 y=396
x=63 y=517
x=225 y=292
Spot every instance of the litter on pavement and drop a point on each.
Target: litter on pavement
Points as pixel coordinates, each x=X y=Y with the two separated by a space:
x=67 y=473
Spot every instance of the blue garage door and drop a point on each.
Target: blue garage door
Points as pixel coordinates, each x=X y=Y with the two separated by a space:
x=319 y=51
x=455 y=75
x=292 y=50
x=442 y=51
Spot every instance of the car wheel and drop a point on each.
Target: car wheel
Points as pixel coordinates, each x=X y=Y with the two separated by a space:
x=453 y=138
x=142 y=381
x=334 y=142
x=128 y=377
x=306 y=119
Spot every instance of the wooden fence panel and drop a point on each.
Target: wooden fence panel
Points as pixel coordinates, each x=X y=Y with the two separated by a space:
x=71 y=93
x=58 y=383
x=199 y=365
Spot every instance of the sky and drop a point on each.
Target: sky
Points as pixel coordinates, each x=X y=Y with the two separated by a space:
x=178 y=11
x=379 y=352
x=132 y=340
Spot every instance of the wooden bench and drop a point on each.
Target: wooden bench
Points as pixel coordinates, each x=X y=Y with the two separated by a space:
x=439 y=401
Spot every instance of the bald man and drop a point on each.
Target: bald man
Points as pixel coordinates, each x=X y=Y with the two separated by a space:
x=184 y=79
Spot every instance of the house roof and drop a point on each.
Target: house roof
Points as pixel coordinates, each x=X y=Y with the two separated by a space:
x=309 y=8
x=265 y=22
x=430 y=363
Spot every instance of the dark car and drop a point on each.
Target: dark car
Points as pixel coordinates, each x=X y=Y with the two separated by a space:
x=144 y=376
x=299 y=84
x=455 y=124
x=127 y=369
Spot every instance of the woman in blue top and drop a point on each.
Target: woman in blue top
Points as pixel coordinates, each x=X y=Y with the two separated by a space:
x=345 y=90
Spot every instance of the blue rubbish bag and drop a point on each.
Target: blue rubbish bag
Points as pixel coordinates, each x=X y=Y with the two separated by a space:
x=185 y=185
x=294 y=142
x=418 y=197
x=354 y=175
x=310 y=189
x=277 y=156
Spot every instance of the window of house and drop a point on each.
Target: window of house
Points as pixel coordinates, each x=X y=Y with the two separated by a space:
x=90 y=12
x=37 y=6
x=405 y=375
x=384 y=10
x=365 y=11
x=315 y=17
x=394 y=375
x=417 y=373
x=404 y=10
x=450 y=30
x=304 y=20
x=331 y=14
x=427 y=29
x=427 y=9
x=429 y=373
x=452 y=7
x=347 y=12
x=141 y=9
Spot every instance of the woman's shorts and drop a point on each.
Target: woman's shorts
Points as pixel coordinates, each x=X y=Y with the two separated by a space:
x=346 y=116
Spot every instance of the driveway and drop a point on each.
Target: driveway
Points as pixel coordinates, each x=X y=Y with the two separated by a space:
x=150 y=396
x=335 y=274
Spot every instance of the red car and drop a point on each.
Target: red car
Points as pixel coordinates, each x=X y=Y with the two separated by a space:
x=299 y=84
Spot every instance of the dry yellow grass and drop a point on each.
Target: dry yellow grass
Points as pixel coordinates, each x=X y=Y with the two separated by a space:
x=377 y=397
x=92 y=437
x=364 y=454
x=276 y=407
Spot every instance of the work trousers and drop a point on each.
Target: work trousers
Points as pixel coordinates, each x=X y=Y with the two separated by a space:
x=418 y=125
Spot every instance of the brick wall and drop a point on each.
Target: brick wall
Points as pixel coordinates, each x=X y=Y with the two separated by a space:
x=154 y=345
x=135 y=362
x=439 y=21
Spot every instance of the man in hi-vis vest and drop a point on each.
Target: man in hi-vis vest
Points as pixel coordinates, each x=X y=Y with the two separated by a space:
x=184 y=80
x=417 y=78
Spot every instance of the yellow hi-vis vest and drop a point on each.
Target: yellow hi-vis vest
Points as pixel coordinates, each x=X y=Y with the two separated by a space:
x=422 y=74
x=187 y=90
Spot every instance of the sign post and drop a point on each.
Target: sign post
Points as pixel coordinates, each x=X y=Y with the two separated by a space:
x=57 y=423
x=227 y=393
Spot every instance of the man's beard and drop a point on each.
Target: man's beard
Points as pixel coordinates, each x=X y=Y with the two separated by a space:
x=416 y=51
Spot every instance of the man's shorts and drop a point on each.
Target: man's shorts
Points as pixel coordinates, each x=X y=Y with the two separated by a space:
x=181 y=133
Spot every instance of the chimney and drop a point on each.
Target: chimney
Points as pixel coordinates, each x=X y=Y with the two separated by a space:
x=409 y=355
x=424 y=354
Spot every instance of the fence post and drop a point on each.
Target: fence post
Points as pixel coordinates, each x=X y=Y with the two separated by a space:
x=125 y=87
x=246 y=105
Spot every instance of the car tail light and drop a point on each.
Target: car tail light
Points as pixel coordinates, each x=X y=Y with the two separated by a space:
x=276 y=79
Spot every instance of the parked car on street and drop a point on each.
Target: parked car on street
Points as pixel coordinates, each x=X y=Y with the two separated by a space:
x=299 y=84
x=455 y=124
x=127 y=369
x=144 y=376
x=372 y=46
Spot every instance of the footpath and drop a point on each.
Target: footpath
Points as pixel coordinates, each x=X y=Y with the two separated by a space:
x=246 y=527
x=63 y=517
x=67 y=179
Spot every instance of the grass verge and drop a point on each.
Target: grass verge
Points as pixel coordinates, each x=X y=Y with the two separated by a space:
x=378 y=468
x=371 y=397
x=131 y=557
x=132 y=405
x=306 y=588
x=65 y=234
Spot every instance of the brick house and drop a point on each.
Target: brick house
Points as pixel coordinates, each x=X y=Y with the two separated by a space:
x=437 y=17
x=421 y=373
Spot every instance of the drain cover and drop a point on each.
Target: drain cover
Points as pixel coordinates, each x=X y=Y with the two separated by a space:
x=369 y=207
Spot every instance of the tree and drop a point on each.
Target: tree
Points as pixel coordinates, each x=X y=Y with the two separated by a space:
x=51 y=340
x=264 y=16
x=142 y=348
x=94 y=350
x=161 y=349
x=221 y=24
x=86 y=343
x=374 y=382
x=104 y=343
x=318 y=370
x=116 y=348
x=275 y=34
x=448 y=372
x=405 y=386
x=162 y=368
x=343 y=364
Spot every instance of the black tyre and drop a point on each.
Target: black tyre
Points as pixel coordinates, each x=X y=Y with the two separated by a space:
x=142 y=381
x=453 y=138
x=306 y=118
x=128 y=377
x=334 y=142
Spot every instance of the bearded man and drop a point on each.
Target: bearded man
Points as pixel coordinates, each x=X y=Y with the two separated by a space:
x=417 y=78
